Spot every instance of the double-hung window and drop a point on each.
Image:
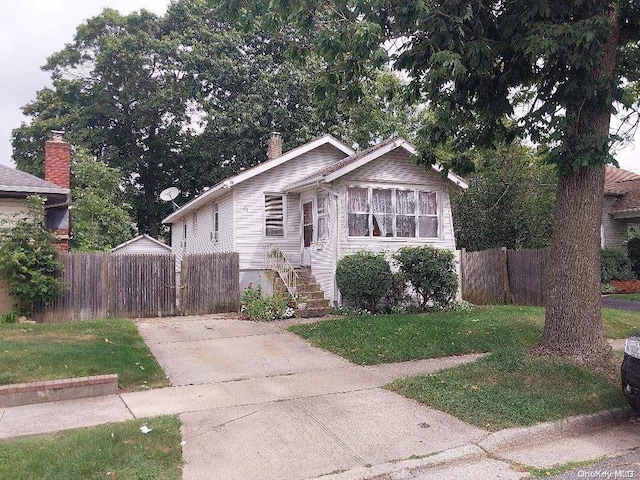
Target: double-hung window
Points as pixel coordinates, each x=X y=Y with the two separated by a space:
x=274 y=215
x=323 y=225
x=392 y=212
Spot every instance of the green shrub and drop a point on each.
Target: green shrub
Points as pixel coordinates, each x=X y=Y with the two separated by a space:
x=633 y=248
x=10 y=317
x=363 y=278
x=257 y=306
x=615 y=265
x=431 y=272
x=29 y=261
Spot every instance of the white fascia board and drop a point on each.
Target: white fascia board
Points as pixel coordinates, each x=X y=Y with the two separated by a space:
x=257 y=170
x=370 y=157
x=51 y=190
x=384 y=150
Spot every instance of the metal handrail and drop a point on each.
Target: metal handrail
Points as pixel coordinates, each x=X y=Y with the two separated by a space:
x=276 y=260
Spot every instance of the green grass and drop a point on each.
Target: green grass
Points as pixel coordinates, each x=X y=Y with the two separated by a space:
x=397 y=338
x=113 y=451
x=31 y=352
x=635 y=297
x=511 y=389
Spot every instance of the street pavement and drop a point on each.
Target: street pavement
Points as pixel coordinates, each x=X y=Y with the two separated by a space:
x=257 y=402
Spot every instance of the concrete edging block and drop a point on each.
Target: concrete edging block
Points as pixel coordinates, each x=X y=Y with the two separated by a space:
x=56 y=390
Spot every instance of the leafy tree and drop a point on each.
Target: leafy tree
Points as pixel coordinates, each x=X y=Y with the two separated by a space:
x=28 y=259
x=555 y=69
x=101 y=218
x=509 y=202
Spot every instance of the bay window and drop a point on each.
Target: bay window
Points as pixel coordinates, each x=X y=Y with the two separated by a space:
x=391 y=212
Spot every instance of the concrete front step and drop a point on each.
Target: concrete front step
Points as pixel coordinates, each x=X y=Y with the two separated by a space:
x=317 y=303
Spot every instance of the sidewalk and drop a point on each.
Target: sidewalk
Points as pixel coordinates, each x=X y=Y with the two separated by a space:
x=259 y=403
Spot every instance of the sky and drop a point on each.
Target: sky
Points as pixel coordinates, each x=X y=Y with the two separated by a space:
x=31 y=30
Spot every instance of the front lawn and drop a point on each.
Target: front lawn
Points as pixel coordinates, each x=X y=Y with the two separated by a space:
x=112 y=451
x=510 y=389
x=32 y=352
x=398 y=338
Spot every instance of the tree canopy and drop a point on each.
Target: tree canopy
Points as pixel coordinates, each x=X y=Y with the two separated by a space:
x=101 y=217
x=509 y=202
x=189 y=98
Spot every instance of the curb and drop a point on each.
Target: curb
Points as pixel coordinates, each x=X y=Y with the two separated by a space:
x=466 y=452
x=514 y=437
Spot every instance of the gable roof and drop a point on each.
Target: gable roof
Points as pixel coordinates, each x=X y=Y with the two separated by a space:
x=137 y=239
x=625 y=185
x=15 y=181
x=357 y=160
x=213 y=192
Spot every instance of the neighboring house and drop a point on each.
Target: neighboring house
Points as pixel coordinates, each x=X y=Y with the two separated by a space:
x=16 y=186
x=142 y=244
x=317 y=203
x=621 y=212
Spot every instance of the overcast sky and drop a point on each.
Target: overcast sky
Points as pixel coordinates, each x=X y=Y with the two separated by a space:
x=31 y=30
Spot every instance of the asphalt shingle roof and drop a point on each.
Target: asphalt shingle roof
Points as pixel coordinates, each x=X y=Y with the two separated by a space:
x=15 y=180
x=624 y=184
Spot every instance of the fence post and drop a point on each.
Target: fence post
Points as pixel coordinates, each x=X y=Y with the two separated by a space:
x=504 y=276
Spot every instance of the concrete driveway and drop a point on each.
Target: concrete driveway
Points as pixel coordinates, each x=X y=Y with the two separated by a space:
x=290 y=410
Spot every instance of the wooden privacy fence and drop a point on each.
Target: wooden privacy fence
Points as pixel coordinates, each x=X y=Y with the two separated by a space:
x=501 y=276
x=101 y=285
x=210 y=283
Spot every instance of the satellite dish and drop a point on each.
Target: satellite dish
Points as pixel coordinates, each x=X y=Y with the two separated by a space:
x=168 y=194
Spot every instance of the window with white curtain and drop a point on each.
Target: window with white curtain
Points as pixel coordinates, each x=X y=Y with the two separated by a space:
x=274 y=215
x=390 y=212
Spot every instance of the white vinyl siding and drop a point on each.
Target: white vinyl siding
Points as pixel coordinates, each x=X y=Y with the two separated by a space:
x=143 y=246
x=250 y=238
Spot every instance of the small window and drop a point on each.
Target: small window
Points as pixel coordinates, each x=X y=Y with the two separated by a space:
x=323 y=223
x=274 y=215
x=195 y=223
x=216 y=224
x=184 y=234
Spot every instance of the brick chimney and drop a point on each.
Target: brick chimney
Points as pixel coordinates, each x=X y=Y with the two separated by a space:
x=274 y=146
x=57 y=170
x=57 y=161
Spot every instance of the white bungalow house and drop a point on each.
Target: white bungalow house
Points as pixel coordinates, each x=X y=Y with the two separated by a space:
x=317 y=203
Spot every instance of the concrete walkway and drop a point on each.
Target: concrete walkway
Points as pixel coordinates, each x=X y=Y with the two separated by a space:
x=257 y=402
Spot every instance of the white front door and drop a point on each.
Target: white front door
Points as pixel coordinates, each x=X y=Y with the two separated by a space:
x=307 y=232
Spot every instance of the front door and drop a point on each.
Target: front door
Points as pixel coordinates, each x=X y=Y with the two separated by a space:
x=307 y=232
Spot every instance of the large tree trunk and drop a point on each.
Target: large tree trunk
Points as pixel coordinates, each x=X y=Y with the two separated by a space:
x=573 y=322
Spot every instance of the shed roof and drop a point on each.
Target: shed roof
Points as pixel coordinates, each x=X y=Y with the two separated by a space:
x=139 y=238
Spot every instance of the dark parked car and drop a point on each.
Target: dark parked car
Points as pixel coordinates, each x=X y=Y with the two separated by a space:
x=631 y=371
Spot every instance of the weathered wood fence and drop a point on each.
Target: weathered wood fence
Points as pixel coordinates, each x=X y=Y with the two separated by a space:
x=210 y=283
x=101 y=285
x=501 y=276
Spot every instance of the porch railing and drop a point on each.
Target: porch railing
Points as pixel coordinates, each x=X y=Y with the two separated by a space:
x=276 y=260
